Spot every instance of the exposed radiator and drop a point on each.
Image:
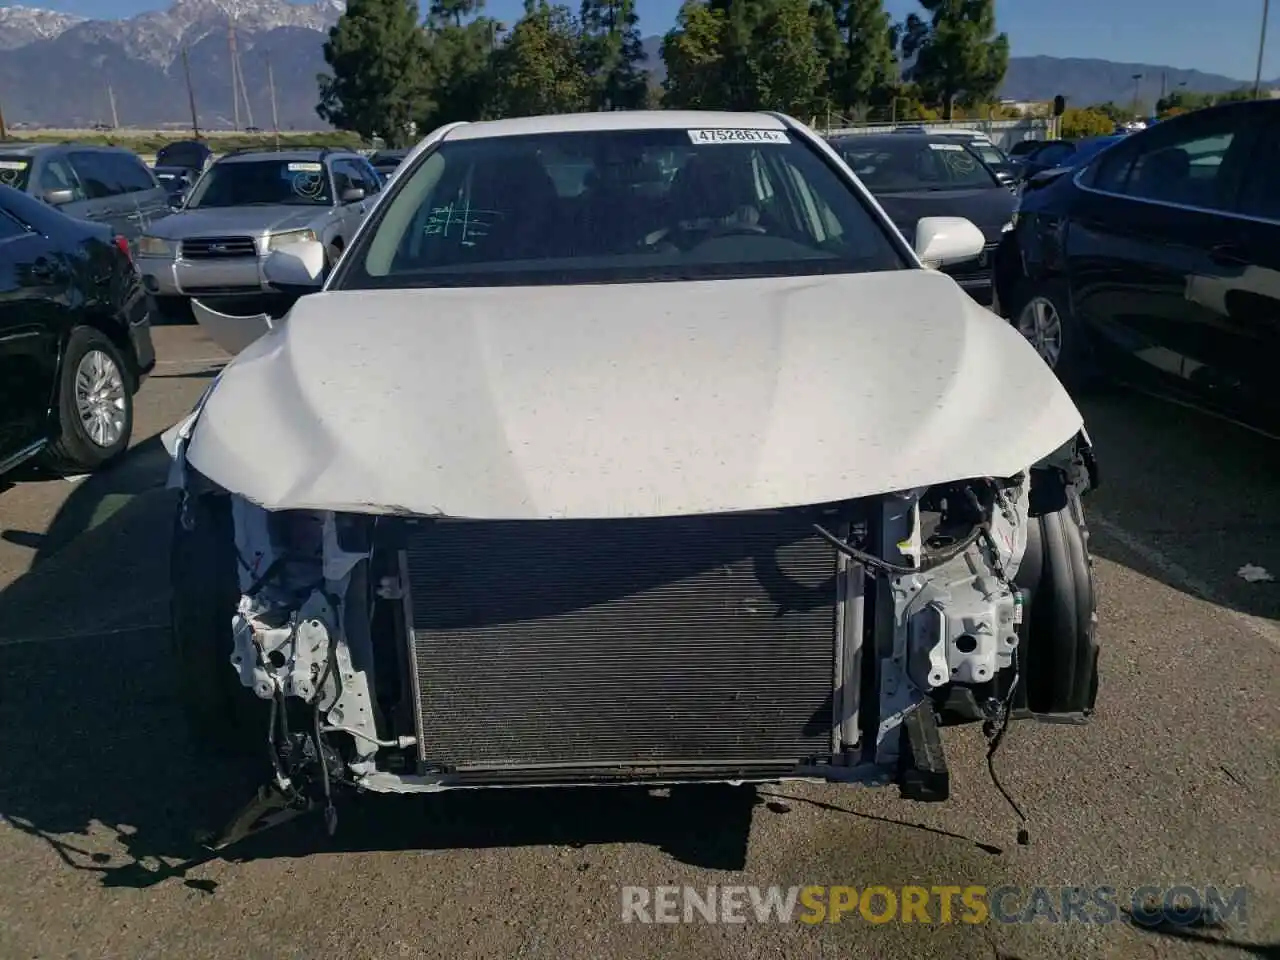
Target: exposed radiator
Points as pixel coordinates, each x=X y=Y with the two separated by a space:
x=655 y=642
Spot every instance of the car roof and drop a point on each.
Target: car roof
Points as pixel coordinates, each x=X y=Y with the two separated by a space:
x=24 y=148
x=315 y=155
x=617 y=120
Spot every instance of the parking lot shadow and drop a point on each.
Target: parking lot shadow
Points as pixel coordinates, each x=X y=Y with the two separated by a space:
x=1186 y=499
x=98 y=763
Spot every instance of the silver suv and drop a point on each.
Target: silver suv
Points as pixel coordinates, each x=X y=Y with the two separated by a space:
x=245 y=205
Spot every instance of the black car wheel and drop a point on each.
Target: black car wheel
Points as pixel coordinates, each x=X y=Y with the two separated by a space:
x=95 y=404
x=1042 y=313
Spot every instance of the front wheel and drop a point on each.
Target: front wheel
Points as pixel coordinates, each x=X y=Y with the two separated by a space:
x=95 y=404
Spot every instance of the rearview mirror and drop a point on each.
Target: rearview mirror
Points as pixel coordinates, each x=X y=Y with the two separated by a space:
x=941 y=241
x=56 y=198
x=296 y=268
x=352 y=195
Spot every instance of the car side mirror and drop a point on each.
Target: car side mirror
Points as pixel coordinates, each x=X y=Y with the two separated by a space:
x=941 y=241
x=296 y=268
x=56 y=198
x=353 y=195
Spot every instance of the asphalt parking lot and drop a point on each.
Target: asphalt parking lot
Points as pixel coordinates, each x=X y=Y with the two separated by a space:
x=1175 y=782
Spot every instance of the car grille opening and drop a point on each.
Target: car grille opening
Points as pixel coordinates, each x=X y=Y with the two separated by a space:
x=645 y=643
x=218 y=248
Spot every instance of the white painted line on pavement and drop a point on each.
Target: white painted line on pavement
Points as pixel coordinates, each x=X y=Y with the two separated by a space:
x=192 y=362
x=1258 y=626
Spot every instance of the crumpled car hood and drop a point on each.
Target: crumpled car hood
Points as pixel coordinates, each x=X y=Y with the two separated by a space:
x=628 y=400
x=224 y=221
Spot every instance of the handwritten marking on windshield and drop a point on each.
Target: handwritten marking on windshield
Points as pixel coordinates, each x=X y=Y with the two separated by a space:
x=471 y=224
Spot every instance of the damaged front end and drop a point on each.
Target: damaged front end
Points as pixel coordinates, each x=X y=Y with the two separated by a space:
x=399 y=653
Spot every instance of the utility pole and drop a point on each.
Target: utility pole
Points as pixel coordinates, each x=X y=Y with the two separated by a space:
x=235 y=73
x=271 y=84
x=115 y=117
x=244 y=91
x=191 y=94
x=4 y=131
x=1262 y=48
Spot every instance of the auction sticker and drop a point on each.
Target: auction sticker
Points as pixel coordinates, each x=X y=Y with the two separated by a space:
x=734 y=135
x=14 y=164
x=949 y=147
x=305 y=167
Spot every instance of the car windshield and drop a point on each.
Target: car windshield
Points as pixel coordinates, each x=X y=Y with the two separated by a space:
x=619 y=206
x=15 y=172
x=244 y=183
x=891 y=166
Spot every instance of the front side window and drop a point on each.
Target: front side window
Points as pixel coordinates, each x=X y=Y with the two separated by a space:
x=890 y=166
x=614 y=206
x=252 y=183
x=129 y=172
x=98 y=178
x=1053 y=154
x=55 y=174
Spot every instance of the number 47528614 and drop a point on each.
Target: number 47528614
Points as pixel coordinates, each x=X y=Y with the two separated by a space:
x=734 y=135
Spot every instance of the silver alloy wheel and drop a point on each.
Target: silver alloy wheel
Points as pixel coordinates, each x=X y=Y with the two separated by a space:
x=100 y=398
x=1040 y=323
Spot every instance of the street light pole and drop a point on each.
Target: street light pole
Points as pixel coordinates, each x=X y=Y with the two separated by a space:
x=1137 y=87
x=1262 y=49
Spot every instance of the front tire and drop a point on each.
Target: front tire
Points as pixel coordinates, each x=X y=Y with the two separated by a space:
x=95 y=404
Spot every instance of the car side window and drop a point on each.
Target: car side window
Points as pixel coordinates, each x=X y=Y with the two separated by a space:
x=372 y=182
x=97 y=177
x=129 y=172
x=1260 y=190
x=346 y=176
x=1188 y=165
x=56 y=174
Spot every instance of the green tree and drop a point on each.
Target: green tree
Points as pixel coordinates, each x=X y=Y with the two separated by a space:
x=380 y=81
x=865 y=70
x=613 y=55
x=693 y=53
x=1117 y=113
x=1089 y=122
x=462 y=45
x=958 y=54
x=750 y=55
x=789 y=59
x=538 y=70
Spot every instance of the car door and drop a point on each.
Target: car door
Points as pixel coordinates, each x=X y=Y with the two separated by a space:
x=33 y=284
x=105 y=200
x=1150 y=243
x=1250 y=334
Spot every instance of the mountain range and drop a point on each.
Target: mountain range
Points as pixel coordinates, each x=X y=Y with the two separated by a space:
x=63 y=71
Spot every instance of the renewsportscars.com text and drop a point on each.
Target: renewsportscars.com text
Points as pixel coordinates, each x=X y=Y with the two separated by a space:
x=1147 y=905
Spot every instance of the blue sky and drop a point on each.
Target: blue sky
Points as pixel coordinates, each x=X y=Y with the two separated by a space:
x=1176 y=33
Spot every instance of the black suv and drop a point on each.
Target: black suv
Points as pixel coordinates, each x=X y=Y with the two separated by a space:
x=1159 y=261
x=107 y=185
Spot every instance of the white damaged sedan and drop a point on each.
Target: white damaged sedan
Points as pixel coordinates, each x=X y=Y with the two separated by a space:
x=629 y=448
